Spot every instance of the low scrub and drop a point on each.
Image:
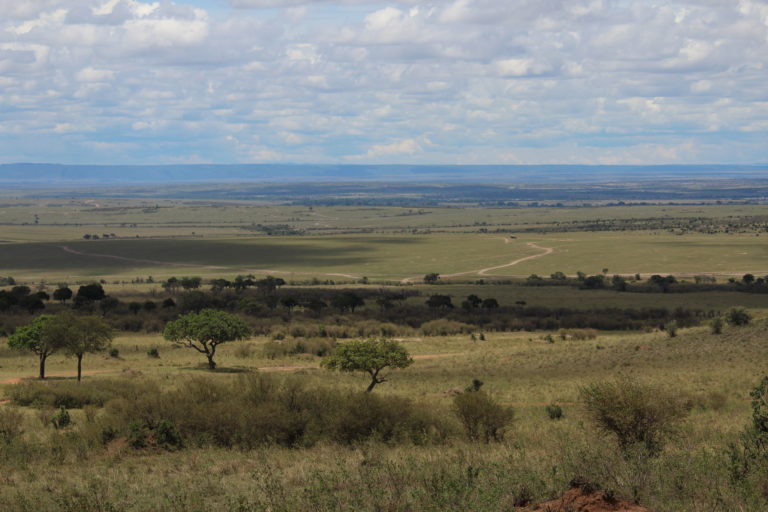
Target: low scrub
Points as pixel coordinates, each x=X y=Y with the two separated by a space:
x=283 y=348
x=482 y=417
x=256 y=410
x=73 y=395
x=639 y=416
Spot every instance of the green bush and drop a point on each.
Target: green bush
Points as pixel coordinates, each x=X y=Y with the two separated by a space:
x=153 y=352
x=636 y=414
x=738 y=316
x=61 y=419
x=554 y=411
x=481 y=416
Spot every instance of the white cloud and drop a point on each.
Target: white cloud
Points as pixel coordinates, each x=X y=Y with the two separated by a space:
x=403 y=80
x=403 y=147
x=95 y=75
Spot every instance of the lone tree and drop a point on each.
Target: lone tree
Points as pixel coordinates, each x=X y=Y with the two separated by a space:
x=369 y=356
x=431 y=278
x=33 y=337
x=79 y=335
x=206 y=330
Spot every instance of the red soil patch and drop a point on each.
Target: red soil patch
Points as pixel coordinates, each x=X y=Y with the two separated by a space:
x=575 y=500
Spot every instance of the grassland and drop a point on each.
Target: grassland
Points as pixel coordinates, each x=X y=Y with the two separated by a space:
x=521 y=370
x=44 y=239
x=41 y=240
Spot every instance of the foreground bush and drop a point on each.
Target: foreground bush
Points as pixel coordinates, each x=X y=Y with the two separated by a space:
x=638 y=415
x=257 y=410
x=482 y=417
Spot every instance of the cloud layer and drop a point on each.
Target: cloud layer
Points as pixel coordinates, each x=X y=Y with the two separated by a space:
x=446 y=81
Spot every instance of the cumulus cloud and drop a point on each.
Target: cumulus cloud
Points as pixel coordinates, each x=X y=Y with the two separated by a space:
x=403 y=147
x=423 y=81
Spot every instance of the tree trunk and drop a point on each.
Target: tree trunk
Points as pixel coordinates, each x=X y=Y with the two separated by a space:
x=79 y=367
x=374 y=380
x=42 y=365
x=211 y=362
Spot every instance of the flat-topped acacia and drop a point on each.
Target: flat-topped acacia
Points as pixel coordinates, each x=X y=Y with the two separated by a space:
x=206 y=330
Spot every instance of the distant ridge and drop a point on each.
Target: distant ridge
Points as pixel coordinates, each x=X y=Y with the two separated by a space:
x=52 y=175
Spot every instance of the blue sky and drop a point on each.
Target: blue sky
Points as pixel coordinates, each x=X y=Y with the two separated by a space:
x=405 y=81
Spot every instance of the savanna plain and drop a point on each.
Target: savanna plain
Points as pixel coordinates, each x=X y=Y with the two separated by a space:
x=605 y=352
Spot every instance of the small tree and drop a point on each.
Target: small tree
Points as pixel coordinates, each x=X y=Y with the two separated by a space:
x=33 y=337
x=431 y=278
x=206 y=330
x=637 y=415
x=80 y=335
x=370 y=356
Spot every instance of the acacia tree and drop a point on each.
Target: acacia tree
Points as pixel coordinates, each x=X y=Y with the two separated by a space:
x=80 y=335
x=206 y=330
x=33 y=337
x=369 y=356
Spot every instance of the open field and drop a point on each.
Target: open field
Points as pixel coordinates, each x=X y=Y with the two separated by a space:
x=392 y=258
x=63 y=219
x=520 y=368
x=44 y=239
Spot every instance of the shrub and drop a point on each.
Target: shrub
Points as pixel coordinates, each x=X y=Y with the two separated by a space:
x=717 y=325
x=256 y=410
x=113 y=352
x=671 y=328
x=61 y=419
x=153 y=352
x=636 y=414
x=750 y=454
x=738 y=316
x=11 y=424
x=481 y=416
x=554 y=411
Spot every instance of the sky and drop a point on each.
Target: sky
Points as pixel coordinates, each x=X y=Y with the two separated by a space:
x=374 y=82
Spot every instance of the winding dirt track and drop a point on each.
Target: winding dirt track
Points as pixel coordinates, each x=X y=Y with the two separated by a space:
x=480 y=272
x=485 y=271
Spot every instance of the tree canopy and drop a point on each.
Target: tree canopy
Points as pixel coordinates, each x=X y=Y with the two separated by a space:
x=79 y=335
x=206 y=330
x=369 y=356
x=33 y=337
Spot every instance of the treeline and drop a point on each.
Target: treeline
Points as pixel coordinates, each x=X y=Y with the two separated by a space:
x=273 y=310
x=748 y=283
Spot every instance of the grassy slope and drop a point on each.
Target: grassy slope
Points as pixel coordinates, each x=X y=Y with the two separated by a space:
x=518 y=369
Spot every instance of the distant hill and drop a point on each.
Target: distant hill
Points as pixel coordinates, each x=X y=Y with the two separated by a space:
x=53 y=175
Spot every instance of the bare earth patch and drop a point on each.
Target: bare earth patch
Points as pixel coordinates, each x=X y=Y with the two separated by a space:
x=575 y=500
